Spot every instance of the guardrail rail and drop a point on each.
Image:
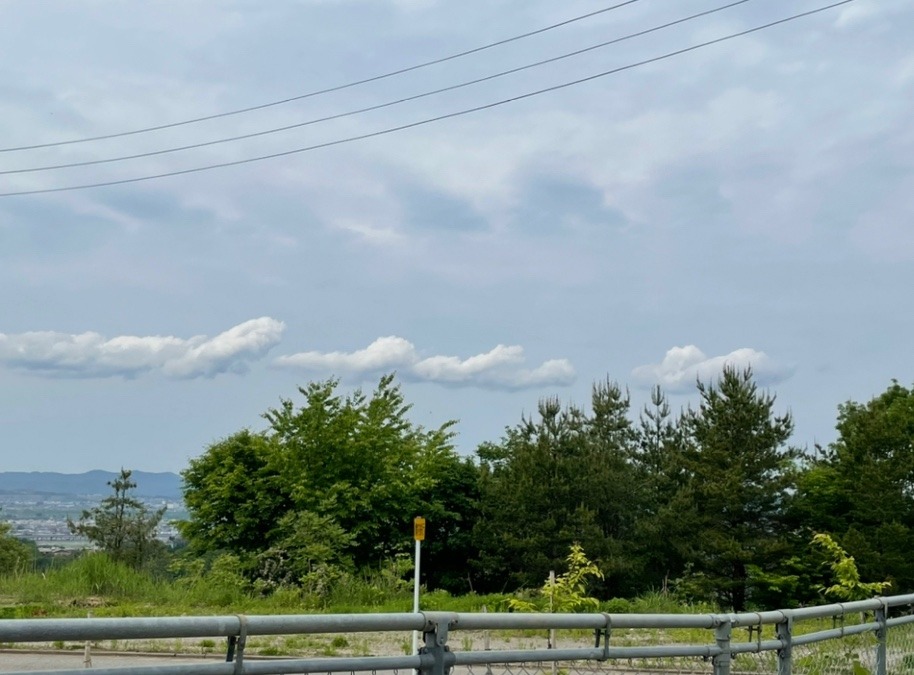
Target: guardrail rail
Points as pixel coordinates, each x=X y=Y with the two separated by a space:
x=867 y=637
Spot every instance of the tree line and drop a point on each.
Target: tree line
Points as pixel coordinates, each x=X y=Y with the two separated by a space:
x=710 y=504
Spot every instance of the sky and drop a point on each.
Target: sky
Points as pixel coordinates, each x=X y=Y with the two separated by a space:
x=749 y=202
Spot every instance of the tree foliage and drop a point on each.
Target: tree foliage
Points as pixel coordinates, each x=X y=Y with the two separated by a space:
x=847 y=585
x=566 y=592
x=234 y=494
x=711 y=503
x=660 y=472
x=15 y=555
x=358 y=460
x=335 y=480
x=860 y=489
x=564 y=477
x=122 y=526
x=737 y=476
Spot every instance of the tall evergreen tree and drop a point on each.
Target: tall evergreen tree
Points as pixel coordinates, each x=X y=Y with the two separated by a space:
x=554 y=480
x=660 y=473
x=738 y=474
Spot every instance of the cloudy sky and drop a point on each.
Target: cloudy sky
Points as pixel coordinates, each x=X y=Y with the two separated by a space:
x=747 y=202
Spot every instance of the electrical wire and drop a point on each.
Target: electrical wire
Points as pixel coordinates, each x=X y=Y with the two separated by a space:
x=430 y=120
x=194 y=146
x=328 y=90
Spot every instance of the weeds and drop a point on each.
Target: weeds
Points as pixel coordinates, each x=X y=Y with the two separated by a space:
x=95 y=583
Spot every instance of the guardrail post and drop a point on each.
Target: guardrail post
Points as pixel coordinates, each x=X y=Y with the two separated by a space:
x=882 y=637
x=722 y=635
x=236 y=644
x=435 y=637
x=785 y=653
x=486 y=642
x=87 y=649
x=603 y=633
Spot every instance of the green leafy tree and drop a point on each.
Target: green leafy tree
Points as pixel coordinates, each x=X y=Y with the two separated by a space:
x=310 y=544
x=122 y=526
x=333 y=482
x=450 y=505
x=235 y=495
x=566 y=592
x=737 y=474
x=15 y=555
x=359 y=460
x=861 y=487
x=847 y=585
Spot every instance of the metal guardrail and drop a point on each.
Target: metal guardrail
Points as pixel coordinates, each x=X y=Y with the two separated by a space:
x=877 y=616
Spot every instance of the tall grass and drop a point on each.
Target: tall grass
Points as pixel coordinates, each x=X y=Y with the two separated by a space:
x=90 y=576
x=94 y=582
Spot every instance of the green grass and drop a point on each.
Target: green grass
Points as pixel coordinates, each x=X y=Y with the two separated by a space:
x=95 y=583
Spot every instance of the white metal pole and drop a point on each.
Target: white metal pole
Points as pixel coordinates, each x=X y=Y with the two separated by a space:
x=416 y=595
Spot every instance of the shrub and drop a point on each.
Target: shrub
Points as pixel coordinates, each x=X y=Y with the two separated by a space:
x=616 y=606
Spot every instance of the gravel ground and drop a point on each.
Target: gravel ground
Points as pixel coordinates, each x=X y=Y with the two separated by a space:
x=16 y=660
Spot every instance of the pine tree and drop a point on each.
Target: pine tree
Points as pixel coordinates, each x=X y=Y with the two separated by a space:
x=738 y=474
x=121 y=526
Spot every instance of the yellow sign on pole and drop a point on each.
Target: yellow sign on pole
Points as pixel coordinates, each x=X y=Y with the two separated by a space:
x=419 y=528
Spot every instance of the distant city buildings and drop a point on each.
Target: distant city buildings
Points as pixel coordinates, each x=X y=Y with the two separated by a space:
x=42 y=518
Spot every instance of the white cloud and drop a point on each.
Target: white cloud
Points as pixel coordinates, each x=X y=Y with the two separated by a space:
x=453 y=370
x=228 y=351
x=92 y=355
x=501 y=367
x=553 y=371
x=682 y=366
x=854 y=14
x=385 y=353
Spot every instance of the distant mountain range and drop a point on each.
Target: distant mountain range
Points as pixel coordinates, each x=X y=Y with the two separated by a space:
x=166 y=484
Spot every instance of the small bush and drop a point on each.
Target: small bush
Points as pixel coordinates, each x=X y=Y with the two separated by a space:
x=616 y=606
x=565 y=592
x=658 y=602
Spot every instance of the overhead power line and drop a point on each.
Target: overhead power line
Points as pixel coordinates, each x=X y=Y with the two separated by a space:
x=328 y=90
x=438 y=118
x=379 y=106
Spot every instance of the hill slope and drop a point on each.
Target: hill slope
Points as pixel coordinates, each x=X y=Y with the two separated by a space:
x=165 y=484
